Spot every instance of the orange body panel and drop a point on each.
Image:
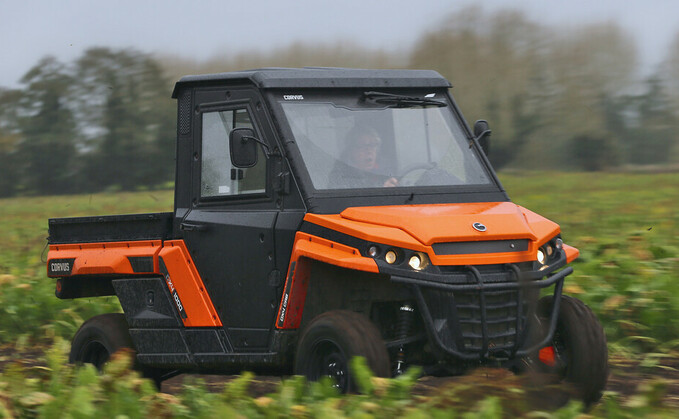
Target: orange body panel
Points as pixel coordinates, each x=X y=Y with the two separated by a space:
x=112 y=259
x=417 y=227
x=438 y=223
x=330 y=252
x=292 y=304
x=104 y=258
x=308 y=247
x=571 y=253
x=183 y=277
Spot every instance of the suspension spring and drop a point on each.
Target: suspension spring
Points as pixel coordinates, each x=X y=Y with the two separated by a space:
x=406 y=314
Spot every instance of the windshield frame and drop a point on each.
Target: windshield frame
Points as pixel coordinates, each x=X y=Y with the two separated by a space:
x=491 y=192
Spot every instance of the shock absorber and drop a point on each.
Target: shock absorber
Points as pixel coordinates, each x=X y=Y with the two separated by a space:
x=406 y=314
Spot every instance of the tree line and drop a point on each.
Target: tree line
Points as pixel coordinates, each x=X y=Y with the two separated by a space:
x=556 y=99
x=102 y=122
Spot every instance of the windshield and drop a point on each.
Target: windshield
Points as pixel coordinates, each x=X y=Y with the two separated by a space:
x=350 y=142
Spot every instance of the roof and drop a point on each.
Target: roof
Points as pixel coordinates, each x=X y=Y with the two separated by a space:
x=310 y=77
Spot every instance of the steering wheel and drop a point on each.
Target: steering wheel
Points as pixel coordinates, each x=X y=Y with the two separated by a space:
x=411 y=174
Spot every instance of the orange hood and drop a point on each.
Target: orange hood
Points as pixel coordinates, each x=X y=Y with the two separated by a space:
x=417 y=227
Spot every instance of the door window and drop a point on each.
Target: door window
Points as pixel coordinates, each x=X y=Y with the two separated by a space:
x=218 y=176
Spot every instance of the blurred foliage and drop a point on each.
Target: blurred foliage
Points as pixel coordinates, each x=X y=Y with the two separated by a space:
x=106 y=120
x=60 y=390
x=625 y=226
x=28 y=306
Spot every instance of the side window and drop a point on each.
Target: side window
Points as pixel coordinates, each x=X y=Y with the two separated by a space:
x=218 y=177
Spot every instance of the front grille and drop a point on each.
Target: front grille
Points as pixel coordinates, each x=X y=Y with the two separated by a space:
x=488 y=323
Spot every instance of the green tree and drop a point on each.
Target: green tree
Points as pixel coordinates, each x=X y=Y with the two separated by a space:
x=125 y=107
x=646 y=124
x=10 y=135
x=669 y=71
x=48 y=131
x=496 y=65
x=535 y=85
x=669 y=76
x=593 y=153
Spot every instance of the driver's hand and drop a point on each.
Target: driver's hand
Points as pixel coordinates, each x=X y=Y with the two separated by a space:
x=391 y=182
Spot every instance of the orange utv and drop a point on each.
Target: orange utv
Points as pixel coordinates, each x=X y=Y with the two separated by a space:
x=322 y=214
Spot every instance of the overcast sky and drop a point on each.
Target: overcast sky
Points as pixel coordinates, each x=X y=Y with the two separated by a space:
x=200 y=29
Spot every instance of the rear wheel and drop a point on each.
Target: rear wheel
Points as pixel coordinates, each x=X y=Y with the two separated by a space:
x=102 y=336
x=578 y=353
x=330 y=341
x=99 y=338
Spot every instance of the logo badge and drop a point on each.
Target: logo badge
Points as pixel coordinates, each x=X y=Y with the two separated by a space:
x=479 y=227
x=60 y=267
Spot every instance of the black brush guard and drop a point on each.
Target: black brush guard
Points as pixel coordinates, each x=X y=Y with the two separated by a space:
x=473 y=315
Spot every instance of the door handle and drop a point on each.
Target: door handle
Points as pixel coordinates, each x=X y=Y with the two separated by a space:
x=192 y=227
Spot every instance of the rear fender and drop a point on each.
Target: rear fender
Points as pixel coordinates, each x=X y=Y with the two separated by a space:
x=119 y=258
x=87 y=269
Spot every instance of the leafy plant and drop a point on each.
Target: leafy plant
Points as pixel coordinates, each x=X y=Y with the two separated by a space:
x=62 y=390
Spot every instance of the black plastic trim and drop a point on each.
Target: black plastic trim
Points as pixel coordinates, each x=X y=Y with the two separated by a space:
x=336 y=236
x=417 y=285
x=111 y=228
x=480 y=247
x=268 y=78
x=141 y=264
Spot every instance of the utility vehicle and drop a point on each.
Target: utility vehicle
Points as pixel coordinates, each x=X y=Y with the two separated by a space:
x=322 y=214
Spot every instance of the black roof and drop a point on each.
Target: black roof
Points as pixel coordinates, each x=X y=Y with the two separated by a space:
x=310 y=77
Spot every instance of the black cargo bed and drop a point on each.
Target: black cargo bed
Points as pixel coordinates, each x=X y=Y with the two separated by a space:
x=111 y=228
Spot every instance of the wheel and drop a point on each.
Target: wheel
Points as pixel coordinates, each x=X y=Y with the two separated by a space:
x=103 y=335
x=578 y=353
x=98 y=338
x=330 y=341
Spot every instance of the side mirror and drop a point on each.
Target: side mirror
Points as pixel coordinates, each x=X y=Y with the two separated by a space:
x=243 y=147
x=482 y=135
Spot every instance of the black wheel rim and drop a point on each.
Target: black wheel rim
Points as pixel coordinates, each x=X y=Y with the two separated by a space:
x=94 y=353
x=328 y=360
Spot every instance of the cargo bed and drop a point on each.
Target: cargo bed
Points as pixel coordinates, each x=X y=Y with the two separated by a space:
x=111 y=228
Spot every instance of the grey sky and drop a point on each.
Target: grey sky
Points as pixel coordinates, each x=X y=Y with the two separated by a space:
x=200 y=29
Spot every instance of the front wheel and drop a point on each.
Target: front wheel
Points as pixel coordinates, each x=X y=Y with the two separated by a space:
x=330 y=341
x=578 y=353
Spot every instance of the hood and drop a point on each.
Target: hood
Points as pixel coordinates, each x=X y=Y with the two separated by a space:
x=455 y=222
x=419 y=227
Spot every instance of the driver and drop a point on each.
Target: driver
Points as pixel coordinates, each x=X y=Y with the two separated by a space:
x=359 y=162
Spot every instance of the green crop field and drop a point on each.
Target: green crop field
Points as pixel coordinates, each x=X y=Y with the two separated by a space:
x=625 y=225
x=627 y=229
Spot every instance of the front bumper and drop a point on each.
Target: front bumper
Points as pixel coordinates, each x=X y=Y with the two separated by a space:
x=477 y=313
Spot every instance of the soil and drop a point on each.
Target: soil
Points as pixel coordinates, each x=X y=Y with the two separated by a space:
x=626 y=378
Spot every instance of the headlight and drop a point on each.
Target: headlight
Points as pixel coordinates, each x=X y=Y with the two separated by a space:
x=415 y=262
x=541 y=256
x=418 y=261
x=549 y=249
x=373 y=251
x=391 y=257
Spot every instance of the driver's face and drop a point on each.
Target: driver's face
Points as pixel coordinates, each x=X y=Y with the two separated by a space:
x=364 y=154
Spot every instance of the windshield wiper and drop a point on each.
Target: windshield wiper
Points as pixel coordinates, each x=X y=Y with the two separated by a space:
x=401 y=101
